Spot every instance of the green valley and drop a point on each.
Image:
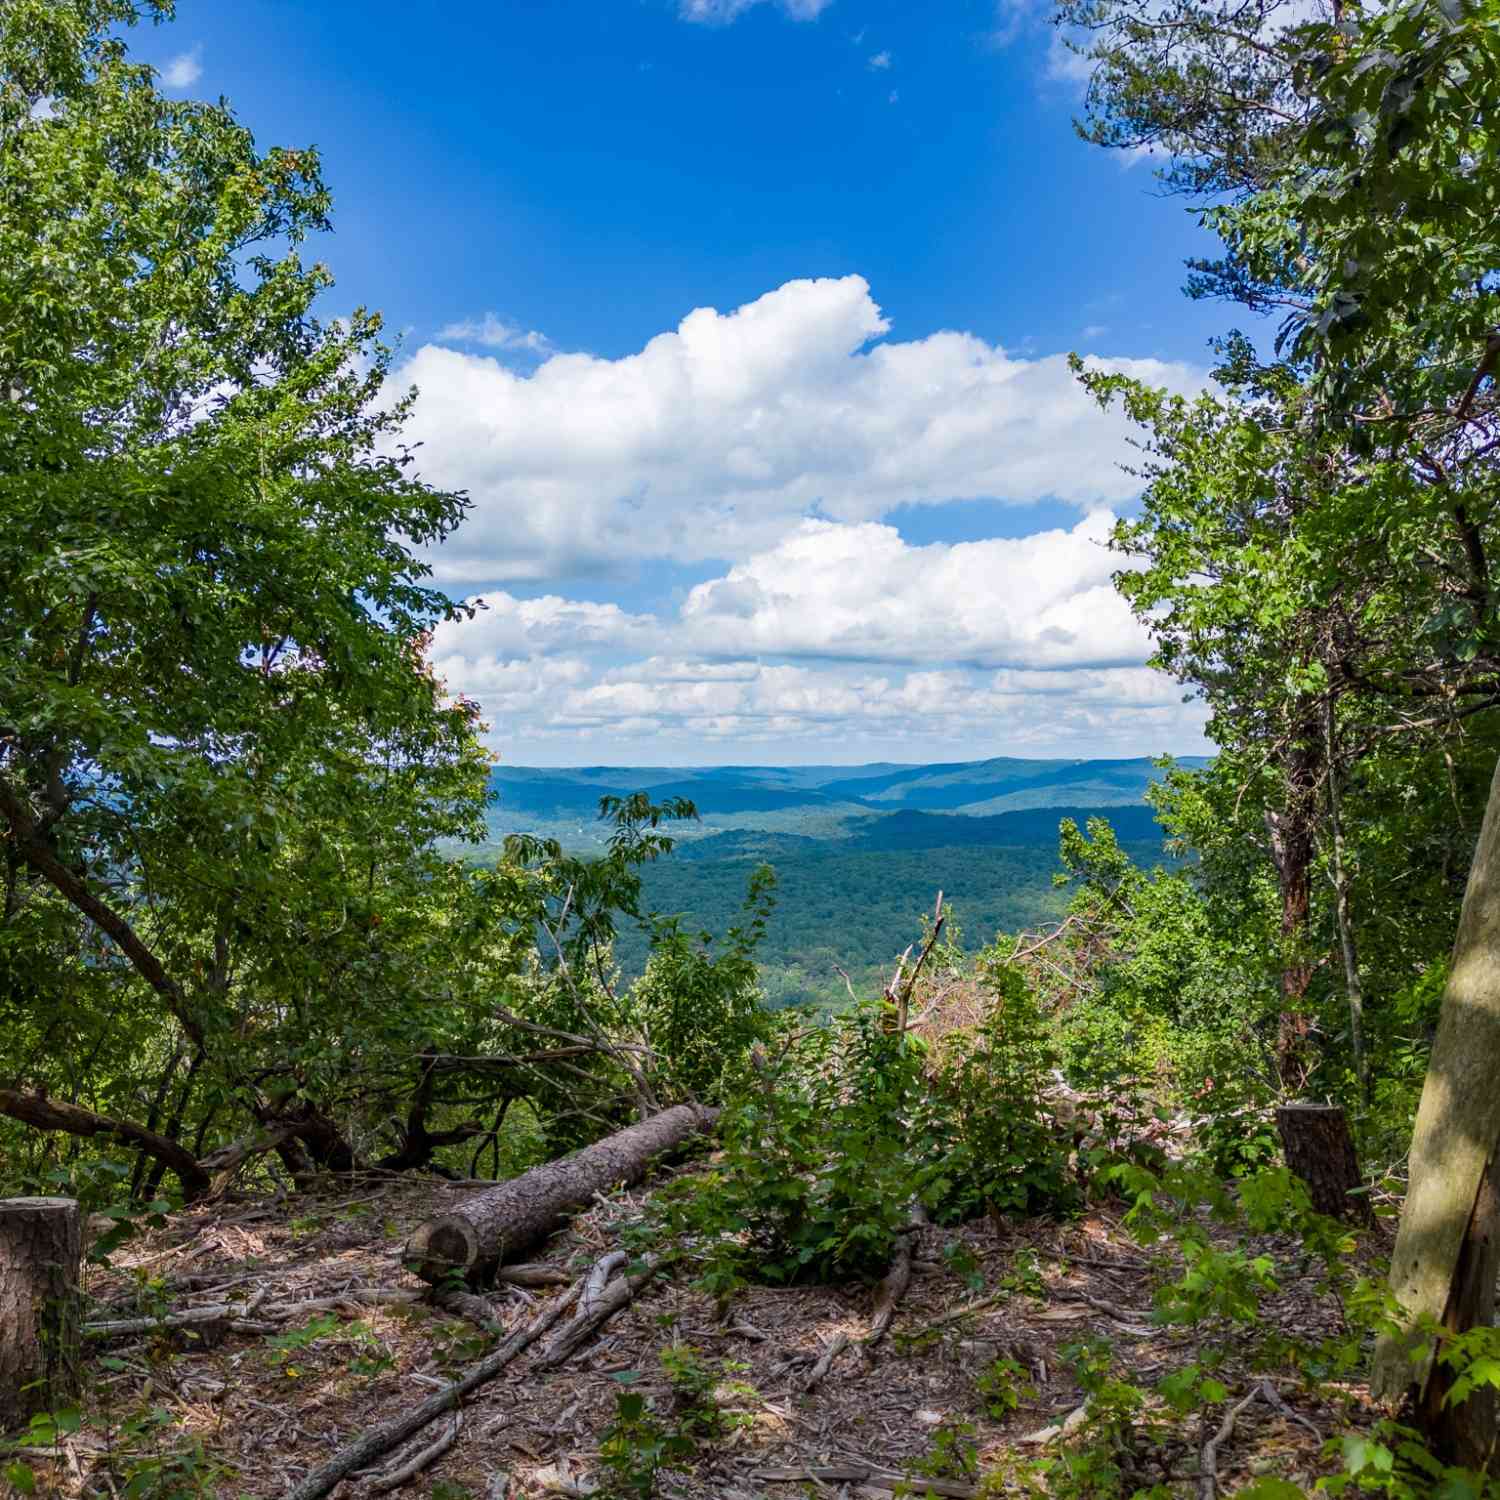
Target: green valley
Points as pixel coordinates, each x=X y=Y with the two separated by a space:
x=859 y=852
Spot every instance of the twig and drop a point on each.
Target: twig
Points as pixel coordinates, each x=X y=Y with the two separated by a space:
x=379 y=1440
x=870 y=1475
x=1208 y=1472
x=1046 y=938
x=395 y=1478
x=957 y=1314
x=574 y=1334
x=898 y=1278
x=598 y=1280
x=1110 y=1309
x=467 y=1305
x=835 y=1347
x=903 y=1002
x=1274 y=1398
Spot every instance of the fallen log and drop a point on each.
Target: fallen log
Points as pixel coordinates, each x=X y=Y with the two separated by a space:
x=475 y=1237
x=379 y=1441
x=251 y=1317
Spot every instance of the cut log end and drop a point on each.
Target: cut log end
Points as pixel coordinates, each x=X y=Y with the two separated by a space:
x=445 y=1247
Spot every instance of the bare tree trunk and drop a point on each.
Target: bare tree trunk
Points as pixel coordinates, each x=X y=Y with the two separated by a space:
x=478 y=1235
x=1353 y=989
x=1464 y=1433
x=41 y=1248
x=1293 y=848
x=173 y=1131
x=153 y=1118
x=1442 y=1267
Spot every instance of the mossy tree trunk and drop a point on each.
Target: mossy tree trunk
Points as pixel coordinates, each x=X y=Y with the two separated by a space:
x=1443 y=1267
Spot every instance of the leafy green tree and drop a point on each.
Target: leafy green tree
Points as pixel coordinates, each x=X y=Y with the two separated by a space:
x=1367 y=222
x=223 y=762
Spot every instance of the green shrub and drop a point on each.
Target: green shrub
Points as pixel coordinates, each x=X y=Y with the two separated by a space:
x=702 y=1011
x=849 y=1125
x=984 y=1126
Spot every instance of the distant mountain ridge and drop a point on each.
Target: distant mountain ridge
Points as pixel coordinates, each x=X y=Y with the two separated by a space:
x=981 y=788
x=860 y=852
x=908 y=829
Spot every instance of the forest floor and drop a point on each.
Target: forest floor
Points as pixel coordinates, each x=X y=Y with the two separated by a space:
x=269 y=1401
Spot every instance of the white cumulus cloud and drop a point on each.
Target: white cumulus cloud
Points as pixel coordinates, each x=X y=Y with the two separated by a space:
x=558 y=708
x=860 y=592
x=718 y=436
x=184 y=70
x=842 y=634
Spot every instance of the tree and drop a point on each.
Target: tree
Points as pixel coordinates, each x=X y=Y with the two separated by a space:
x=220 y=749
x=1368 y=223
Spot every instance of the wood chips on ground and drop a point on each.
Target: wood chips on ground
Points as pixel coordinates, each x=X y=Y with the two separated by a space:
x=268 y=1407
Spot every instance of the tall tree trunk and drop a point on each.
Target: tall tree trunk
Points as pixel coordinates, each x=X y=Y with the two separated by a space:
x=173 y=1131
x=1465 y=1432
x=1443 y=1265
x=153 y=1118
x=1353 y=988
x=1292 y=829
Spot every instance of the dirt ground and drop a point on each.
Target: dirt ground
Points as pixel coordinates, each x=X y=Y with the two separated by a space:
x=269 y=1400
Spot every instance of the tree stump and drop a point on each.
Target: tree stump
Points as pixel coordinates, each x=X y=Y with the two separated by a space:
x=41 y=1248
x=1320 y=1150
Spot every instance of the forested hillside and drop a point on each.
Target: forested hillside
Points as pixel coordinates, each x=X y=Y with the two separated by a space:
x=360 y=1132
x=848 y=889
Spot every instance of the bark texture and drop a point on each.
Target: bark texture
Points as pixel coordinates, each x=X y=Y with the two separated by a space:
x=1454 y=1144
x=481 y=1233
x=1293 y=841
x=41 y=1248
x=54 y=1114
x=1320 y=1150
x=1465 y=1433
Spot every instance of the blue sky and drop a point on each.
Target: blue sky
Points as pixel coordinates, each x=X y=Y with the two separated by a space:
x=743 y=324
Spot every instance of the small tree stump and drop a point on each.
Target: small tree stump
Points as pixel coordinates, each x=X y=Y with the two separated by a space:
x=41 y=1249
x=1320 y=1150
